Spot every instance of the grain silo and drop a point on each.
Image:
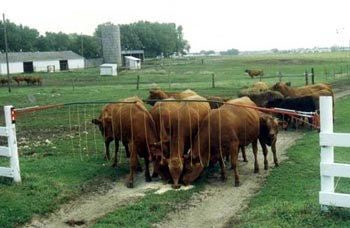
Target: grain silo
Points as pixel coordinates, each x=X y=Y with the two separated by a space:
x=111 y=47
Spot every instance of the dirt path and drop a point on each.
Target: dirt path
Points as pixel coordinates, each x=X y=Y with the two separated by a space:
x=213 y=207
x=219 y=202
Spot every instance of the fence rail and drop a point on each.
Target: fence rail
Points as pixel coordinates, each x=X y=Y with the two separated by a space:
x=11 y=150
x=329 y=169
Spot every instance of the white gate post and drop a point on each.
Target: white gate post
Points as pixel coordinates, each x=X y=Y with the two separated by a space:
x=12 y=142
x=327 y=152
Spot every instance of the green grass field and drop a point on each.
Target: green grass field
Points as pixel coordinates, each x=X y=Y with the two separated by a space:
x=61 y=152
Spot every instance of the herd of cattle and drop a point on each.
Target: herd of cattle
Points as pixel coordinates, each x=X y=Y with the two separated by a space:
x=30 y=80
x=183 y=133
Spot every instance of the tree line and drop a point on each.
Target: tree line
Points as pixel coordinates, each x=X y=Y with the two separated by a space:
x=154 y=38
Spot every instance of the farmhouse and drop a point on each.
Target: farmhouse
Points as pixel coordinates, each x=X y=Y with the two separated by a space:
x=28 y=62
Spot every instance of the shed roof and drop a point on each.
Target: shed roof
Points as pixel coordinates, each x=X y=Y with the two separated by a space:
x=108 y=65
x=132 y=58
x=39 y=56
x=129 y=52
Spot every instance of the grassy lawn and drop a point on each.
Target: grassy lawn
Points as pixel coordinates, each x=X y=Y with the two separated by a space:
x=61 y=152
x=290 y=195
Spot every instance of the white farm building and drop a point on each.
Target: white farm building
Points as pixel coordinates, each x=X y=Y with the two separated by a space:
x=27 y=62
x=132 y=63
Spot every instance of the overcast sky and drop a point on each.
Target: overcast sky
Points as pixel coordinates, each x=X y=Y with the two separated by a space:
x=210 y=25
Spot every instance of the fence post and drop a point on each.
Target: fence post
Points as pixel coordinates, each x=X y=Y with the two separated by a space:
x=280 y=76
x=333 y=72
x=138 y=82
x=213 y=80
x=327 y=152
x=169 y=79
x=306 y=78
x=312 y=76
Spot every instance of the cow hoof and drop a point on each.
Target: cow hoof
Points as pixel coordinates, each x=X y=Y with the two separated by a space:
x=155 y=175
x=129 y=184
x=236 y=184
x=139 y=169
x=256 y=170
x=114 y=165
x=245 y=160
x=175 y=186
x=106 y=158
x=276 y=165
x=223 y=178
x=266 y=167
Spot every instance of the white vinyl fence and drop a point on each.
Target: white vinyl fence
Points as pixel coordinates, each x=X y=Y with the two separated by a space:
x=329 y=169
x=10 y=151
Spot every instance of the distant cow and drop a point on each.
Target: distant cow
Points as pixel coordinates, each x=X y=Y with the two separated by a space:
x=257 y=87
x=4 y=81
x=254 y=73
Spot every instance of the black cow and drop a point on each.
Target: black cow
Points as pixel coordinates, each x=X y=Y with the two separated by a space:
x=304 y=104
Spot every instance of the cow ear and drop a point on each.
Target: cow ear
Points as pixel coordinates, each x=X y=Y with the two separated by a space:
x=96 y=121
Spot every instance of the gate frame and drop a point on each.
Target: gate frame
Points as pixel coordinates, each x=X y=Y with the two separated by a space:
x=11 y=150
x=329 y=169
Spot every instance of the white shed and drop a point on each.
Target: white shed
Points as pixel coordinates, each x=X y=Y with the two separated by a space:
x=50 y=61
x=108 y=69
x=132 y=63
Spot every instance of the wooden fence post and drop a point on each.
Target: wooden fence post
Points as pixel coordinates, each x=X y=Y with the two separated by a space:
x=306 y=78
x=312 y=76
x=138 y=82
x=169 y=79
x=213 y=80
x=280 y=76
x=333 y=72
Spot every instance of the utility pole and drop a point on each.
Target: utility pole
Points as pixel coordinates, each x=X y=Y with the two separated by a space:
x=6 y=53
x=82 y=44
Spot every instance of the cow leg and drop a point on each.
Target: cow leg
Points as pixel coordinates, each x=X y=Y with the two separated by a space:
x=107 y=154
x=147 y=174
x=116 y=144
x=127 y=152
x=273 y=148
x=255 y=152
x=265 y=151
x=223 y=173
x=234 y=159
x=133 y=165
x=244 y=154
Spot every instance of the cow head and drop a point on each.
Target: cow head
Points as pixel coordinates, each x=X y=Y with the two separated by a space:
x=156 y=94
x=175 y=165
x=268 y=129
x=191 y=171
x=247 y=71
x=105 y=126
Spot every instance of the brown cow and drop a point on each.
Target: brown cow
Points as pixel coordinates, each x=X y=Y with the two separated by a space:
x=254 y=73
x=261 y=98
x=18 y=79
x=185 y=122
x=311 y=90
x=133 y=125
x=221 y=133
x=158 y=94
x=164 y=114
x=4 y=81
x=268 y=136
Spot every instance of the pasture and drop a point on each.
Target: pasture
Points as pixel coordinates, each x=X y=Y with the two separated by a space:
x=61 y=152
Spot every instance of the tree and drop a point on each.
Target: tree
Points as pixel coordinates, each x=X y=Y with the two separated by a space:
x=231 y=51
